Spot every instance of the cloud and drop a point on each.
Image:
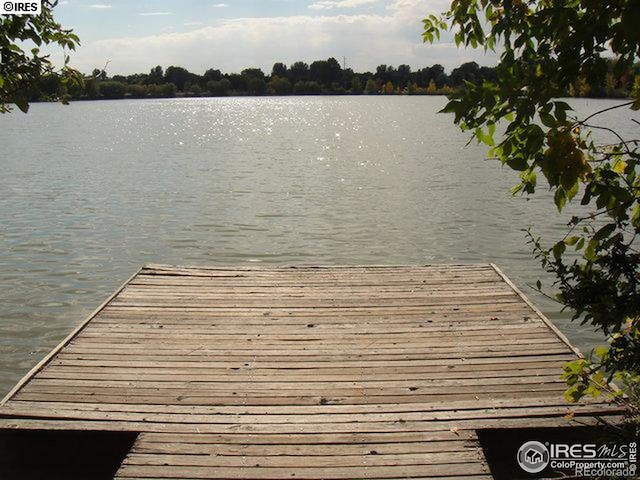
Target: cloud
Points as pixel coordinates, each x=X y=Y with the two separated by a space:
x=366 y=40
x=154 y=14
x=100 y=6
x=331 y=4
x=219 y=5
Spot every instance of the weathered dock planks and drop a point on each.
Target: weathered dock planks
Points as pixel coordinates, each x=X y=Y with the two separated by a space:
x=309 y=372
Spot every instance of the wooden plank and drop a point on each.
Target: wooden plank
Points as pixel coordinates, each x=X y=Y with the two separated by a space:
x=313 y=291
x=327 y=398
x=140 y=361
x=450 y=428
x=301 y=303
x=211 y=356
x=413 y=384
x=451 y=318
x=317 y=267
x=315 y=419
x=283 y=355
x=186 y=375
x=343 y=312
x=553 y=401
x=322 y=473
x=504 y=326
x=214 y=459
x=196 y=390
x=307 y=450
x=394 y=345
x=419 y=336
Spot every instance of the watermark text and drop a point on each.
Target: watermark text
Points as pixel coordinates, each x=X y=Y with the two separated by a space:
x=20 y=7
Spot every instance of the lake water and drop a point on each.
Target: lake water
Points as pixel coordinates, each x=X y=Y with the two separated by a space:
x=90 y=192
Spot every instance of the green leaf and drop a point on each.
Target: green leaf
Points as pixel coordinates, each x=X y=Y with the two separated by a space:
x=518 y=163
x=600 y=351
x=573 y=191
x=594 y=391
x=560 y=198
x=492 y=129
x=547 y=120
x=590 y=251
x=562 y=106
x=605 y=232
x=558 y=250
x=619 y=167
x=573 y=394
x=485 y=138
x=22 y=104
x=571 y=241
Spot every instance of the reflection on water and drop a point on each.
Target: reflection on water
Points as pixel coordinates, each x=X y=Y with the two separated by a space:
x=91 y=191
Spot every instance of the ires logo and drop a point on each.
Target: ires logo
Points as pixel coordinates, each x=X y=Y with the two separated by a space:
x=582 y=459
x=533 y=457
x=561 y=450
x=15 y=7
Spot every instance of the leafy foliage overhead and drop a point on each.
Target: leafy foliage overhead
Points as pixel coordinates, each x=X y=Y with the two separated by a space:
x=23 y=64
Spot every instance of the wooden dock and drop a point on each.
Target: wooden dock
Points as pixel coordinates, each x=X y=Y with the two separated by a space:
x=306 y=373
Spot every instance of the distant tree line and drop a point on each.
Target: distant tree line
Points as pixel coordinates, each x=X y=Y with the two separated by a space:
x=321 y=77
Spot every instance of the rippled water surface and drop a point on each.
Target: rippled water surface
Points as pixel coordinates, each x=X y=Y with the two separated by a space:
x=90 y=192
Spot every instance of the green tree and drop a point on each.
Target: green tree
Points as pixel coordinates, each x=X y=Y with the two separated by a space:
x=99 y=74
x=212 y=75
x=178 y=76
x=431 y=88
x=403 y=75
x=253 y=73
x=279 y=85
x=383 y=73
x=137 y=91
x=610 y=85
x=50 y=86
x=91 y=88
x=112 y=89
x=167 y=90
x=156 y=75
x=547 y=47
x=388 y=88
x=372 y=87
x=413 y=89
x=279 y=70
x=356 y=86
x=238 y=82
x=326 y=72
x=23 y=63
x=299 y=72
x=162 y=90
x=307 y=88
x=219 y=87
x=467 y=72
x=256 y=86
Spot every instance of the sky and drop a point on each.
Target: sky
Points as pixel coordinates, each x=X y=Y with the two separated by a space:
x=133 y=36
